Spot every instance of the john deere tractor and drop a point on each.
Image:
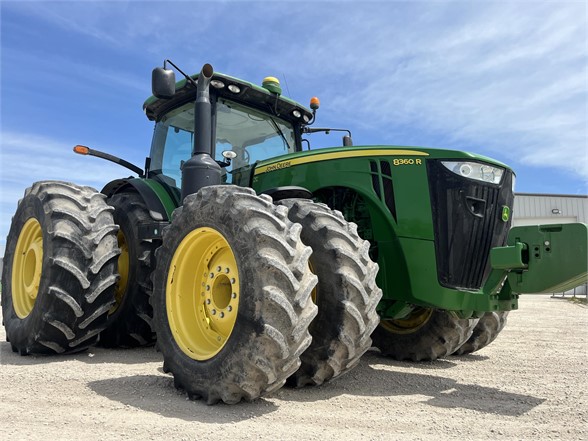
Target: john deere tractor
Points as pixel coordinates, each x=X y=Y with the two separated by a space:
x=251 y=258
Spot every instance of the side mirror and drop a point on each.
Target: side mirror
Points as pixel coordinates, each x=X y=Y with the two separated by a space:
x=163 y=83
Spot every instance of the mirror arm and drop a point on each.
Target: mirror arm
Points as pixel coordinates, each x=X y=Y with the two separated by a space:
x=188 y=77
x=83 y=150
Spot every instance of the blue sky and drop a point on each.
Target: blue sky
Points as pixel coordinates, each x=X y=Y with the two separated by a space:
x=504 y=79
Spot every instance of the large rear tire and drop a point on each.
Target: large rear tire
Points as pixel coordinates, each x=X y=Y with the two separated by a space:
x=346 y=294
x=232 y=295
x=485 y=332
x=59 y=269
x=130 y=320
x=426 y=335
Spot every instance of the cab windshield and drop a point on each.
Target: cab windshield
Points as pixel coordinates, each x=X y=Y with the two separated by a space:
x=251 y=134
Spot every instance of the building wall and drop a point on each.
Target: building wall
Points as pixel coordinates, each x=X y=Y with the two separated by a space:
x=534 y=209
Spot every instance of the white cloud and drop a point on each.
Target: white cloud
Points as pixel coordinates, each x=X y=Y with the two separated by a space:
x=508 y=78
x=27 y=158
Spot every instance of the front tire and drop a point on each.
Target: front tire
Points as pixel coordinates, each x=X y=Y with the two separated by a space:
x=59 y=269
x=346 y=294
x=425 y=335
x=231 y=295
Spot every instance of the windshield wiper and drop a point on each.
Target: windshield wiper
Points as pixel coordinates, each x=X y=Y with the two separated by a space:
x=279 y=131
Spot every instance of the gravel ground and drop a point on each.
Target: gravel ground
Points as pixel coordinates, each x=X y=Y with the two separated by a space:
x=530 y=383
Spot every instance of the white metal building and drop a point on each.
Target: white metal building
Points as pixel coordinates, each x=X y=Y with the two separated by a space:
x=537 y=209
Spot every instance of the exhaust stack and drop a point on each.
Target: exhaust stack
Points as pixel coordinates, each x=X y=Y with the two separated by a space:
x=201 y=169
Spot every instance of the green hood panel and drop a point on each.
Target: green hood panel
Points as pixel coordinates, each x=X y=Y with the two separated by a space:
x=339 y=153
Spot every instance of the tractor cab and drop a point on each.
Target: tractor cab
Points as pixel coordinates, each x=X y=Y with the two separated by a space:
x=242 y=135
x=248 y=124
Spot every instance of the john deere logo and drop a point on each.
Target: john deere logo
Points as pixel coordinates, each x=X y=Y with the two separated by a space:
x=505 y=214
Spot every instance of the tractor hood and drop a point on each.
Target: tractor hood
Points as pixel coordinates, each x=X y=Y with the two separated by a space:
x=338 y=153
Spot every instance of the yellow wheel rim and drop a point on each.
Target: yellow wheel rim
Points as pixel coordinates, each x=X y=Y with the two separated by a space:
x=123 y=270
x=416 y=320
x=27 y=267
x=202 y=293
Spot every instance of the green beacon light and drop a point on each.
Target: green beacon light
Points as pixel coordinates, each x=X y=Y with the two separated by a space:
x=272 y=84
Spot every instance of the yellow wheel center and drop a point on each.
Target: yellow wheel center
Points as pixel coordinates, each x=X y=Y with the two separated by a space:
x=202 y=293
x=123 y=271
x=416 y=320
x=27 y=266
x=221 y=291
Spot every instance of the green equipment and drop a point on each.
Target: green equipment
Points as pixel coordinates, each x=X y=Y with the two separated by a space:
x=253 y=260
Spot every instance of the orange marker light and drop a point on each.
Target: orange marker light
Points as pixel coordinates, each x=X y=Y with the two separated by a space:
x=314 y=103
x=81 y=150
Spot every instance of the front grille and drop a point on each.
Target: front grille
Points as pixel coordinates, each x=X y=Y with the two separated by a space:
x=467 y=219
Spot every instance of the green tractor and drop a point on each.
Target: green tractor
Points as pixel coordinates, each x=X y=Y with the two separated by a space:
x=255 y=261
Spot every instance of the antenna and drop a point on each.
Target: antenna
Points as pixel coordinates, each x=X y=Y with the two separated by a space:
x=286 y=82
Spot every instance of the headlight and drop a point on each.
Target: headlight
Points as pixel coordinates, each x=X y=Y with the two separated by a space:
x=475 y=170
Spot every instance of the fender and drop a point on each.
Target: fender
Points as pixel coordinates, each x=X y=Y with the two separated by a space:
x=157 y=198
x=287 y=192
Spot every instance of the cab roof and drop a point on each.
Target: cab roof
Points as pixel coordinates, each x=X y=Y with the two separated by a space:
x=249 y=93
